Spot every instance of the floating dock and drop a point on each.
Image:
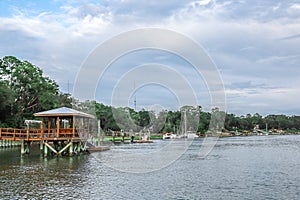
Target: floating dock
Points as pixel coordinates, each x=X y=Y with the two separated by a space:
x=97 y=149
x=143 y=141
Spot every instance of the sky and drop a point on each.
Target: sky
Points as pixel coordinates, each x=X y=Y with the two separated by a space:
x=254 y=44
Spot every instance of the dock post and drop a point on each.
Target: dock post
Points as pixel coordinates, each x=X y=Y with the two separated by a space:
x=41 y=146
x=45 y=150
x=27 y=147
x=71 y=149
x=83 y=146
x=79 y=147
x=22 y=147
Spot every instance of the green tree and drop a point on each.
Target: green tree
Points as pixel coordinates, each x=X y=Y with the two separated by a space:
x=6 y=99
x=144 y=118
x=64 y=100
x=190 y=118
x=217 y=119
x=33 y=91
x=204 y=122
x=159 y=122
x=231 y=122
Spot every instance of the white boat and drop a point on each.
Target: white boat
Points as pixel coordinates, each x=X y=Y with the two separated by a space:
x=188 y=135
x=192 y=135
x=169 y=136
x=185 y=133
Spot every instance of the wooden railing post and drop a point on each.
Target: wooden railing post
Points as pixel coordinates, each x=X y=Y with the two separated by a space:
x=57 y=126
x=0 y=132
x=73 y=127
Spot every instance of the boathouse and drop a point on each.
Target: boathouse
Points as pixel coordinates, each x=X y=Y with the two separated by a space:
x=62 y=131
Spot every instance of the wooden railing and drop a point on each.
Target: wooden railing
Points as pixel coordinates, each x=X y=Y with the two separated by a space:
x=12 y=133
x=36 y=134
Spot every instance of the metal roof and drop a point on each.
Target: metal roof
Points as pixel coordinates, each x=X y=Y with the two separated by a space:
x=63 y=111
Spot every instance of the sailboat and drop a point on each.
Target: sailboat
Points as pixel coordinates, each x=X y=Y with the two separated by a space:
x=185 y=133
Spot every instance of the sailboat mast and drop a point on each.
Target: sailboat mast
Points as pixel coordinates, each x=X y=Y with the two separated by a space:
x=185 y=123
x=134 y=102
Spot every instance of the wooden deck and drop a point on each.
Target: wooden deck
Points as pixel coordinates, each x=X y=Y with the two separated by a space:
x=52 y=142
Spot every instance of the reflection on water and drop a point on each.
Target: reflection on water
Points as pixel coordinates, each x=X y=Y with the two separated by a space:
x=237 y=168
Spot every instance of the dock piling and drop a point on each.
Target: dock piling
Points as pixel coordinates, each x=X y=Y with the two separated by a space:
x=41 y=146
x=45 y=150
x=71 y=149
x=22 y=147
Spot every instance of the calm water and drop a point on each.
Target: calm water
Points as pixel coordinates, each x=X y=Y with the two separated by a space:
x=263 y=167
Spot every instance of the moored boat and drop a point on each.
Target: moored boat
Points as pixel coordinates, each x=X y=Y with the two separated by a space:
x=169 y=136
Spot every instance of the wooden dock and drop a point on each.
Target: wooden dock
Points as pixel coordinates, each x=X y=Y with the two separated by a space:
x=55 y=144
x=63 y=131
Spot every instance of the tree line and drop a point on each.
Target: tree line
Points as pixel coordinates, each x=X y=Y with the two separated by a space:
x=25 y=90
x=197 y=120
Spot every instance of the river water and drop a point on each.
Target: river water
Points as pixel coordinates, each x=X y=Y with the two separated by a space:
x=257 y=167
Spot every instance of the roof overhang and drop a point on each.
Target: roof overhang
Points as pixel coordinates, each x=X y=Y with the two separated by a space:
x=63 y=112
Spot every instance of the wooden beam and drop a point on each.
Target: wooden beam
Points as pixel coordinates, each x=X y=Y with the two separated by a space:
x=57 y=126
x=51 y=148
x=42 y=127
x=63 y=149
x=49 y=126
x=73 y=126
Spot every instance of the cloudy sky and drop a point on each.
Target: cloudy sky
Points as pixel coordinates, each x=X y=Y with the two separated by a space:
x=255 y=45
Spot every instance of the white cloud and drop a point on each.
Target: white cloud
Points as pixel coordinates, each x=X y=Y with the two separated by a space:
x=295 y=6
x=243 y=38
x=201 y=3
